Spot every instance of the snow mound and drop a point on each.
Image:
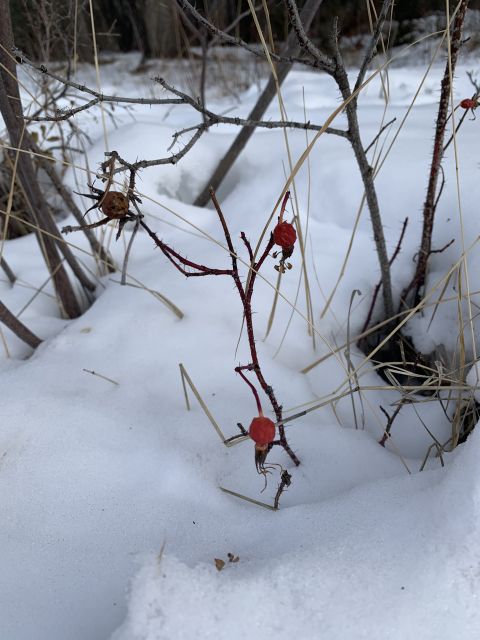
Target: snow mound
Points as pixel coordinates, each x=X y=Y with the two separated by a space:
x=410 y=569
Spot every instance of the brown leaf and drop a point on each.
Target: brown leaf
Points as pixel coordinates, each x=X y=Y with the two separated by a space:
x=219 y=564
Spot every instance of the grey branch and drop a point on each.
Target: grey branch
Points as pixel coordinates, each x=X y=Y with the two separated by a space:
x=339 y=74
x=238 y=42
x=323 y=61
x=372 y=47
x=214 y=118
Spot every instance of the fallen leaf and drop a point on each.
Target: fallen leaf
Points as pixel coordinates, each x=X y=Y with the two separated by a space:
x=219 y=564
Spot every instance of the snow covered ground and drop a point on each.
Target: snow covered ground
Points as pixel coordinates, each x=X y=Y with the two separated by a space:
x=112 y=512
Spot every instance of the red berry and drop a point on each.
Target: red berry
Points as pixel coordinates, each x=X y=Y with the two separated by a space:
x=284 y=235
x=262 y=430
x=468 y=103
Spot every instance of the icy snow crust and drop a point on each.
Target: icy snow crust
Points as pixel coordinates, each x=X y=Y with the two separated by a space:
x=97 y=478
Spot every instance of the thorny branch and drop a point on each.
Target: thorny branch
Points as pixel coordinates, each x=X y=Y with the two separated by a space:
x=336 y=69
x=411 y=293
x=215 y=118
x=322 y=61
x=209 y=117
x=245 y=293
x=189 y=268
x=182 y=98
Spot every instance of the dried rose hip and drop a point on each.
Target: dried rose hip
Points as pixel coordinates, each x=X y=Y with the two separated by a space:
x=284 y=235
x=262 y=430
x=114 y=205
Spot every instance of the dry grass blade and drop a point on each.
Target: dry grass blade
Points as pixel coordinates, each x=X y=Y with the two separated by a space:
x=97 y=72
x=156 y=294
x=334 y=398
x=265 y=505
x=99 y=375
x=274 y=305
x=351 y=368
x=346 y=257
x=39 y=290
x=185 y=393
x=283 y=114
x=206 y=410
x=5 y=344
x=128 y=250
x=440 y=299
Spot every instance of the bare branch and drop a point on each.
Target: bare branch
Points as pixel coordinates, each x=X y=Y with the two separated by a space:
x=222 y=35
x=322 y=61
x=385 y=126
x=7 y=270
x=173 y=159
x=411 y=292
x=214 y=118
x=372 y=47
x=82 y=87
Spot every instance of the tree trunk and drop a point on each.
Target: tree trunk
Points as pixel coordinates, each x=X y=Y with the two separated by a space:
x=12 y=112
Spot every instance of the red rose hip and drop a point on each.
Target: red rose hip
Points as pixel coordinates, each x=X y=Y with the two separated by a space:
x=262 y=430
x=468 y=103
x=284 y=235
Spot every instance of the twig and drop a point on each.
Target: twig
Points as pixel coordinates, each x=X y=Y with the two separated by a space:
x=379 y=284
x=390 y=421
x=123 y=279
x=215 y=118
x=97 y=96
x=8 y=272
x=171 y=255
x=285 y=481
x=372 y=47
x=385 y=126
x=448 y=244
x=322 y=61
x=240 y=371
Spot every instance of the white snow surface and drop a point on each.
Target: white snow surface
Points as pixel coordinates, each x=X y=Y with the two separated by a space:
x=112 y=512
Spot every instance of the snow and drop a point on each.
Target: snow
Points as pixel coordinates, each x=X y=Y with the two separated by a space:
x=392 y=559
x=112 y=512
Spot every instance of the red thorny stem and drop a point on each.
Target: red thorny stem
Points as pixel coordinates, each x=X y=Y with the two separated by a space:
x=284 y=206
x=246 y=297
x=182 y=263
x=240 y=371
